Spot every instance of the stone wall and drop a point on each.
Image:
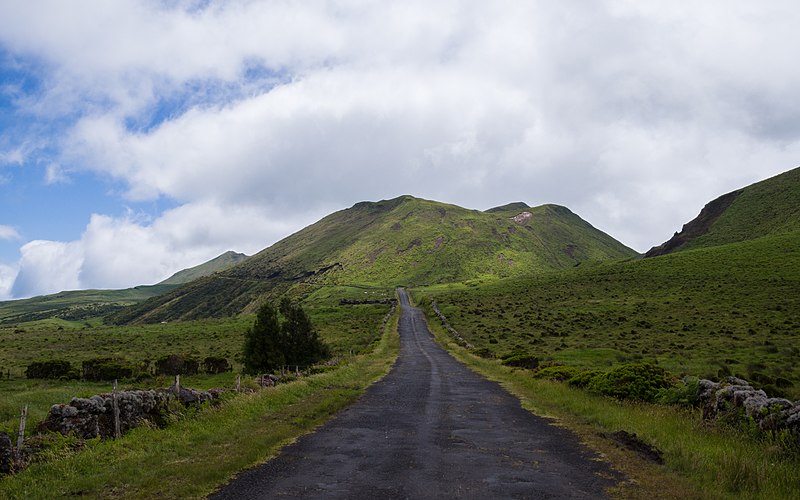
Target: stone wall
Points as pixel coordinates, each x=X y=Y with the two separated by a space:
x=457 y=336
x=93 y=417
x=734 y=397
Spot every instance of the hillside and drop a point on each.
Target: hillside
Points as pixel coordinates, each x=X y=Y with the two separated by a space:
x=766 y=208
x=219 y=263
x=77 y=305
x=729 y=306
x=729 y=309
x=81 y=305
x=406 y=241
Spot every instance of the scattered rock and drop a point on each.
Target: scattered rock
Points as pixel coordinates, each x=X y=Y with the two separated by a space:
x=522 y=218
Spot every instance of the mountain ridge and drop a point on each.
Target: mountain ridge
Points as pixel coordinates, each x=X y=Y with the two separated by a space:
x=401 y=241
x=767 y=207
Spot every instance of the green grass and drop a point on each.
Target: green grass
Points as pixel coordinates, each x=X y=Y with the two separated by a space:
x=701 y=461
x=192 y=458
x=347 y=329
x=706 y=312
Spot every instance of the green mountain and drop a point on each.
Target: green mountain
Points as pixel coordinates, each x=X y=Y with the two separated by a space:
x=218 y=263
x=406 y=241
x=766 y=208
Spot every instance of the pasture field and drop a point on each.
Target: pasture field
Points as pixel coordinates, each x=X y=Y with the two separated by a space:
x=349 y=330
x=700 y=460
x=710 y=312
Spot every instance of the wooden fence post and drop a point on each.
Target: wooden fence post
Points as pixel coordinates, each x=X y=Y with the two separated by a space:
x=238 y=383
x=23 y=417
x=115 y=405
x=178 y=386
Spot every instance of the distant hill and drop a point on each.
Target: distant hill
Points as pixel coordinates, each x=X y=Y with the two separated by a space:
x=76 y=305
x=81 y=305
x=219 y=263
x=406 y=241
x=769 y=207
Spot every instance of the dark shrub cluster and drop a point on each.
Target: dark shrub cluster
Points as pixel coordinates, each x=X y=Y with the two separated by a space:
x=175 y=364
x=521 y=360
x=215 y=365
x=52 y=369
x=637 y=381
x=105 y=369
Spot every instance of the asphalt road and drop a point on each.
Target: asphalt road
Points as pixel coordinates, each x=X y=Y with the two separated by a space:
x=430 y=429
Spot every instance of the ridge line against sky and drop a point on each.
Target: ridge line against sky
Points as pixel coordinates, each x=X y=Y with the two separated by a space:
x=138 y=138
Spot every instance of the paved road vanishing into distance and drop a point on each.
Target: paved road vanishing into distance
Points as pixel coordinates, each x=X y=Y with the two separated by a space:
x=431 y=428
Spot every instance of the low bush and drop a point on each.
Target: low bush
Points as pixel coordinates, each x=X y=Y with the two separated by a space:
x=584 y=378
x=105 y=369
x=636 y=381
x=175 y=364
x=521 y=360
x=52 y=369
x=215 y=365
x=684 y=393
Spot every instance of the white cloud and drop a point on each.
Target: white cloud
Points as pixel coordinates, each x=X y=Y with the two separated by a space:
x=8 y=233
x=124 y=252
x=633 y=114
x=7 y=276
x=47 y=267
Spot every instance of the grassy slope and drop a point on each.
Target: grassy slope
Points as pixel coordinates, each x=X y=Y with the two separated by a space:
x=75 y=305
x=732 y=308
x=769 y=207
x=400 y=241
x=347 y=329
x=218 y=263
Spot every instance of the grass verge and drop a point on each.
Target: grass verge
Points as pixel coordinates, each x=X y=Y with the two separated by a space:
x=700 y=461
x=194 y=457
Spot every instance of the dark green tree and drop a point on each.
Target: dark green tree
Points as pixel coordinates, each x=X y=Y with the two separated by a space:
x=303 y=346
x=264 y=345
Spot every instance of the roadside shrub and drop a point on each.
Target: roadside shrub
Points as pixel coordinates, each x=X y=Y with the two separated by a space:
x=637 y=381
x=559 y=373
x=214 y=365
x=521 y=360
x=684 y=393
x=584 y=378
x=51 y=369
x=104 y=369
x=175 y=364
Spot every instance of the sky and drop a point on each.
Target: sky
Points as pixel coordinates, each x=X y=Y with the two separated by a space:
x=138 y=138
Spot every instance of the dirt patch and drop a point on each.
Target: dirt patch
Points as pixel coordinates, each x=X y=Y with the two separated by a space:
x=437 y=243
x=522 y=218
x=633 y=443
x=570 y=250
